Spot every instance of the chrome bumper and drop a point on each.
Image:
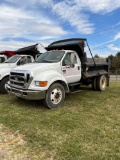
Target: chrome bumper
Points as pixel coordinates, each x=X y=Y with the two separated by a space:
x=26 y=94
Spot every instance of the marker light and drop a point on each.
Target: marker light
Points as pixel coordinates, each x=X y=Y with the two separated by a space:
x=41 y=83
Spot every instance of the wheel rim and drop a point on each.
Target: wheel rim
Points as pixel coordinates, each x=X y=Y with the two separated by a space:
x=6 y=85
x=103 y=83
x=56 y=96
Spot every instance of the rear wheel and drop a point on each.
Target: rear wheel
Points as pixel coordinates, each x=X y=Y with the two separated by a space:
x=55 y=96
x=93 y=84
x=3 y=85
x=101 y=83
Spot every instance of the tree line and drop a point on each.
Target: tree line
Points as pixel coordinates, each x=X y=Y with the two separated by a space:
x=114 y=61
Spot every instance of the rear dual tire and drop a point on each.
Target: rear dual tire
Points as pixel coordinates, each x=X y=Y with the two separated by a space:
x=99 y=83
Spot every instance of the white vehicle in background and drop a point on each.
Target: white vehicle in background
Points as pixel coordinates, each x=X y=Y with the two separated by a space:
x=19 y=57
x=9 y=64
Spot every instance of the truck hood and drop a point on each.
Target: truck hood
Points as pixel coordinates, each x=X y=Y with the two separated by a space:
x=35 y=67
x=7 y=65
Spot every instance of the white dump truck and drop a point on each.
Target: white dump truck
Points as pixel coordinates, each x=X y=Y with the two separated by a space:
x=19 y=57
x=10 y=63
x=60 y=70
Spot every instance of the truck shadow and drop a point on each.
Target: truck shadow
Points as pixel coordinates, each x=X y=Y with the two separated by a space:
x=8 y=100
x=38 y=104
x=88 y=88
x=30 y=103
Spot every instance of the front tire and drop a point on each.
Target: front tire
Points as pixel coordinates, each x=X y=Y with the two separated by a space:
x=55 y=96
x=3 y=85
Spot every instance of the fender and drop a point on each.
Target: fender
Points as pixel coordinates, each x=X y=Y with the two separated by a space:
x=4 y=72
x=51 y=77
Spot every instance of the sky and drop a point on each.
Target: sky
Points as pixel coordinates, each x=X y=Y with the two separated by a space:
x=27 y=22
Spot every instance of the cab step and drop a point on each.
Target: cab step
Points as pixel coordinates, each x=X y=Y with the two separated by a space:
x=74 y=84
x=76 y=91
x=74 y=87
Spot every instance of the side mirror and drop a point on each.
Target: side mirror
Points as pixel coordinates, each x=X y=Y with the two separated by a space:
x=72 y=65
x=67 y=65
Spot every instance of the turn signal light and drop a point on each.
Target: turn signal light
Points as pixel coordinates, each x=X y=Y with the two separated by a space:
x=43 y=83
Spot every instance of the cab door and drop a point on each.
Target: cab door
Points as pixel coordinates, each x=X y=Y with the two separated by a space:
x=71 y=67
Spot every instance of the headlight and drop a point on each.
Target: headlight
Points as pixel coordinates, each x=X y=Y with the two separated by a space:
x=37 y=83
x=41 y=83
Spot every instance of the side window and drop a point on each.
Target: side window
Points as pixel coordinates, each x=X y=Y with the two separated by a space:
x=70 y=58
x=73 y=58
x=29 y=60
x=66 y=59
x=23 y=60
x=3 y=59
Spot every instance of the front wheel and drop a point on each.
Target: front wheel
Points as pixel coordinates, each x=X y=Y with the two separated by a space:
x=3 y=85
x=55 y=96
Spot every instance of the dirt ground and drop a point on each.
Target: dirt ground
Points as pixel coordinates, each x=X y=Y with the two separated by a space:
x=12 y=145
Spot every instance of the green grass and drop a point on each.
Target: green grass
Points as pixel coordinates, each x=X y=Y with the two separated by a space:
x=85 y=127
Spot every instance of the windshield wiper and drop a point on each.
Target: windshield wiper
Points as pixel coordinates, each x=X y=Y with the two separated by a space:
x=46 y=61
x=42 y=61
x=35 y=61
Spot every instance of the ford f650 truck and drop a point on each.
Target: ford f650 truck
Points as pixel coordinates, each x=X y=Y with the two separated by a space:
x=60 y=70
x=19 y=57
x=10 y=63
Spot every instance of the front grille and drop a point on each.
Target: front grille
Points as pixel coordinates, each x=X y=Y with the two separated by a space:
x=15 y=73
x=19 y=80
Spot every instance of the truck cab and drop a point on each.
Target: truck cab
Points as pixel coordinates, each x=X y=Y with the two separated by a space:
x=60 y=70
x=16 y=58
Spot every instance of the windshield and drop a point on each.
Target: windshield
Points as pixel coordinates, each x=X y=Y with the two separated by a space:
x=12 y=59
x=50 y=57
